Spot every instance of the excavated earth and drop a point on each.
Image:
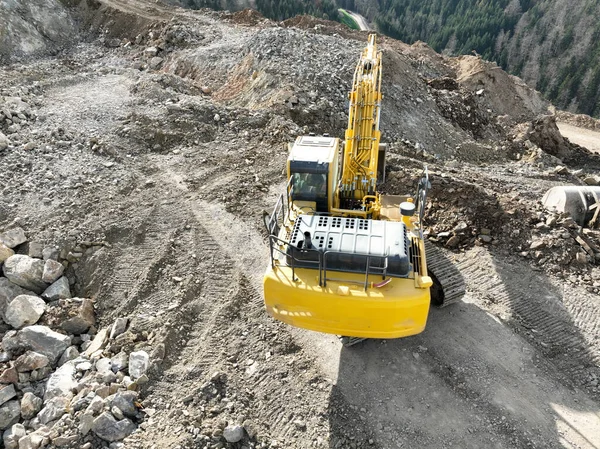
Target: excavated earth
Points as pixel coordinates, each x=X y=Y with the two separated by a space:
x=161 y=133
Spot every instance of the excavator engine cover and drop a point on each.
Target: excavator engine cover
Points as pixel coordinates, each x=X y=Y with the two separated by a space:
x=349 y=244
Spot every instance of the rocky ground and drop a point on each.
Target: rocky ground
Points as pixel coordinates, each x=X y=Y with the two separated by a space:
x=139 y=161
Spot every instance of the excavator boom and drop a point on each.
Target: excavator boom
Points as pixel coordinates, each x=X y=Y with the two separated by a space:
x=361 y=151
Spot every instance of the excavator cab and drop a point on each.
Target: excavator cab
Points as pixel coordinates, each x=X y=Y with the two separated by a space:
x=312 y=168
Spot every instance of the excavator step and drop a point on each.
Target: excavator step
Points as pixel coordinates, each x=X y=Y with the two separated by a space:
x=448 y=283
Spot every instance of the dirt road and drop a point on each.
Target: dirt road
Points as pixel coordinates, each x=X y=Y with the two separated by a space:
x=587 y=138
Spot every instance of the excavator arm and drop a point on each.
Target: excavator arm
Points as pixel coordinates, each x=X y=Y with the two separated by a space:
x=361 y=150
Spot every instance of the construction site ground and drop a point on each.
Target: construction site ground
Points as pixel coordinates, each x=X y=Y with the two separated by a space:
x=170 y=164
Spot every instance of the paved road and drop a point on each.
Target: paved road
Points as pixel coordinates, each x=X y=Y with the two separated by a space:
x=362 y=22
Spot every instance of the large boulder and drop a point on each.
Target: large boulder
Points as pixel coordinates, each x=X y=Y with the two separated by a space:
x=13 y=237
x=8 y=292
x=26 y=272
x=24 y=310
x=37 y=338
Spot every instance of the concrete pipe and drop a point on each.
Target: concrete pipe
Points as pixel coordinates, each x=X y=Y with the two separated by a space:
x=580 y=202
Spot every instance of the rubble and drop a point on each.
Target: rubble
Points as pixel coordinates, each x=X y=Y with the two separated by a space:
x=84 y=388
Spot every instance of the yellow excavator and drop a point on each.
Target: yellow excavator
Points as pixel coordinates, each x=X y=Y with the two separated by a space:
x=345 y=259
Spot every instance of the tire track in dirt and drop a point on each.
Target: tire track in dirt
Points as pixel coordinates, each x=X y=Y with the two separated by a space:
x=563 y=326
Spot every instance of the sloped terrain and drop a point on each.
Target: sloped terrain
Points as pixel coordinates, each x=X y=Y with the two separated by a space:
x=162 y=135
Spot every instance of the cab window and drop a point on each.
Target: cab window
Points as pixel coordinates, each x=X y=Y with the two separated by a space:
x=309 y=186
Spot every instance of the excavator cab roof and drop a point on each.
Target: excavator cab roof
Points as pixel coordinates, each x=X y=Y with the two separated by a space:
x=318 y=149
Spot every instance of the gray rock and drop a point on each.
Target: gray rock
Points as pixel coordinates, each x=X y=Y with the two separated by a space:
x=53 y=410
x=108 y=428
x=12 y=436
x=86 y=421
x=70 y=353
x=9 y=414
x=13 y=237
x=24 y=310
x=81 y=317
x=31 y=360
x=61 y=382
x=7 y=392
x=52 y=271
x=8 y=292
x=83 y=366
x=98 y=342
x=156 y=62
x=138 y=364
x=119 y=362
x=5 y=252
x=233 y=434
x=39 y=339
x=103 y=365
x=51 y=253
x=30 y=405
x=59 y=290
x=96 y=406
x=4 y=142
x=117 y=413
x=26 y=272
x=119 y=326
x=34 y=249
x=124 y=401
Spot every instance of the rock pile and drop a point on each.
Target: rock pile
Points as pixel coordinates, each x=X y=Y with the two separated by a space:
x=62 y=382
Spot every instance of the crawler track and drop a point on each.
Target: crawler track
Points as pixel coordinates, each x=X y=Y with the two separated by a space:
x=449 y=285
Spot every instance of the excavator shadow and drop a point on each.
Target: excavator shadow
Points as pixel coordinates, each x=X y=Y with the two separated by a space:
x=468 y=381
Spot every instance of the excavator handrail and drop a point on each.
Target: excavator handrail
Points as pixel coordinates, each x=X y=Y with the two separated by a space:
x=276 y=244
x=423 y=187
x=273 y=239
